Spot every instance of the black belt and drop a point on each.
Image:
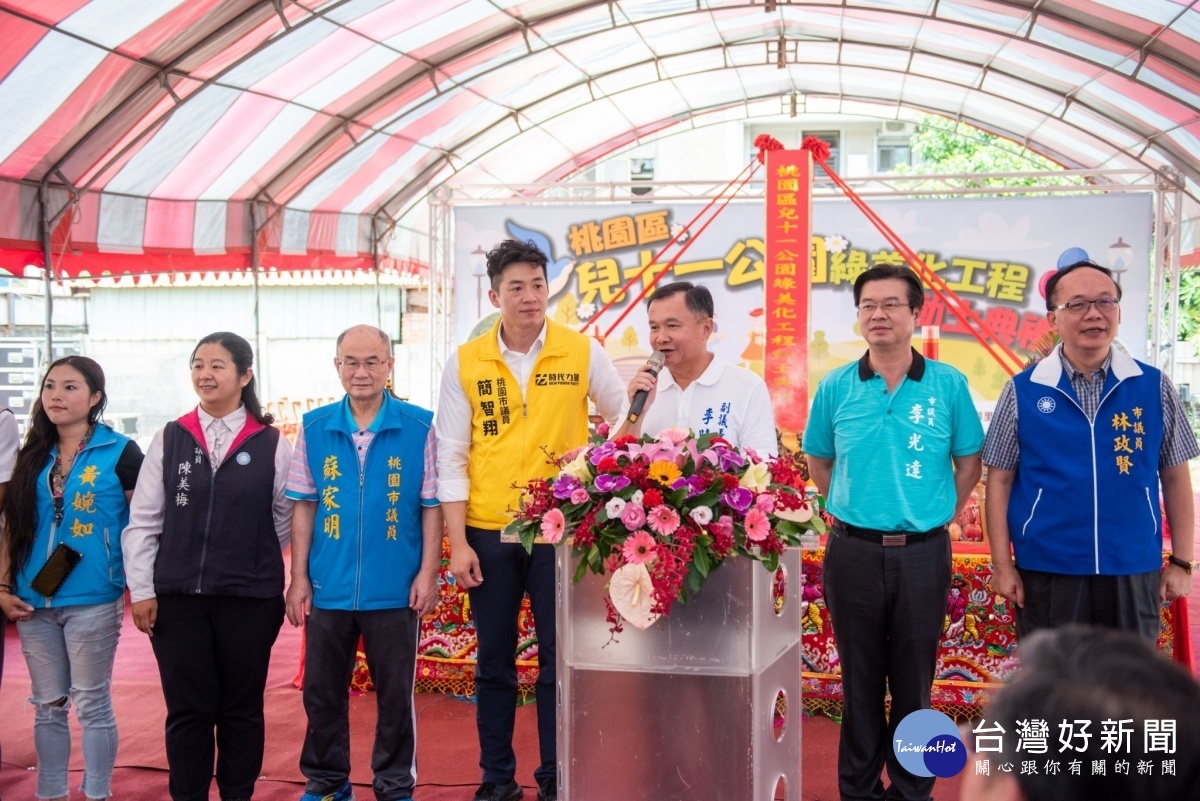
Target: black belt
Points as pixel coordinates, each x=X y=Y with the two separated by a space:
x=889 y=538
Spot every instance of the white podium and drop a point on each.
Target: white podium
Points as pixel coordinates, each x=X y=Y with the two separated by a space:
x=704 y=704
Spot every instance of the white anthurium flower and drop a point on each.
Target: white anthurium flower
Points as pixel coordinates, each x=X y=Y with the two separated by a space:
x=580 y=468
x=632 y=595
x=757 y=477
x=801 y=515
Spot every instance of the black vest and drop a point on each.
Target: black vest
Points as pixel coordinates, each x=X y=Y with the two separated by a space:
x=218 y=534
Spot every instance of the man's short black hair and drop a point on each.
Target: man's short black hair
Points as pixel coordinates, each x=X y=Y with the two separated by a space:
x=510 y=251
x=1058 y=275
x=1083 y=673
x=883 y=272
x=697 y=297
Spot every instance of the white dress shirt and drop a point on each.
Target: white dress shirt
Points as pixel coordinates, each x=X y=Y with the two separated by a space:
x=454 y=411
x=139 y=541
x=726 y=399
x=10 y=443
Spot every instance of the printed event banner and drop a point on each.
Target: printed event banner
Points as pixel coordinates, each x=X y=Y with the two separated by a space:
x=786 y=286
x=996 y=253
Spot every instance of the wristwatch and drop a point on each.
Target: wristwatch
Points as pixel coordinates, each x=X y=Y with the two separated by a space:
x=1188 y=567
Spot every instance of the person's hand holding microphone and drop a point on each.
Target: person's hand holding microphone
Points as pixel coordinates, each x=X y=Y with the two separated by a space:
x=643 y=388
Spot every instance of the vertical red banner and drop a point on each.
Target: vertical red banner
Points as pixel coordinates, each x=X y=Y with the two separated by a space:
x=789 y=260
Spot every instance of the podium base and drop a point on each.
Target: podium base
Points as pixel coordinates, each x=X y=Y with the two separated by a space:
x=702 y=705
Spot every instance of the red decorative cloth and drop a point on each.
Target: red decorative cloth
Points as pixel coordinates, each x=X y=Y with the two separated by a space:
x=765 y=142
x=820 y=149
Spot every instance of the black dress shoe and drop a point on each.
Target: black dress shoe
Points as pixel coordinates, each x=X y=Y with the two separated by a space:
x=491 y=791
x=548 y=790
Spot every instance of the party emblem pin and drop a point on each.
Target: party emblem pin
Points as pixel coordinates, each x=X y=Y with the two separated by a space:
x=243 y=458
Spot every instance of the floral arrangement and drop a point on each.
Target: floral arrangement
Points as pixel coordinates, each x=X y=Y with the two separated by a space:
x=658 y=514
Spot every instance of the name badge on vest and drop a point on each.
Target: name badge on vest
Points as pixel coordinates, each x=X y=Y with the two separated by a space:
x=243 y=458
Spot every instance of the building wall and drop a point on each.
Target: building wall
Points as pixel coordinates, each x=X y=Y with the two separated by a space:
x=143 y=338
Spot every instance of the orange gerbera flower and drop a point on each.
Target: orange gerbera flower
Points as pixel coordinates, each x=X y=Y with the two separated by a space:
x=663 y=472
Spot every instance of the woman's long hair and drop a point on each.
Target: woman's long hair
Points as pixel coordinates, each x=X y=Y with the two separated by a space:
x=243 y=359
x=20 y=501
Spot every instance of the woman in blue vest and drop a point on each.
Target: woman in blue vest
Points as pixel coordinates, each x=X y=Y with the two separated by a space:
x=60 y=569
x=205 y=570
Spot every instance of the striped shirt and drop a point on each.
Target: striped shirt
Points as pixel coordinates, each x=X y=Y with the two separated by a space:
x=1002 y=450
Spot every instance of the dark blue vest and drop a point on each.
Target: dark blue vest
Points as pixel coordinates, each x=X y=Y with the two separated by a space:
x=218 y=533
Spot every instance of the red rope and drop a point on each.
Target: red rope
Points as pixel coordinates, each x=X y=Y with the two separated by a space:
x=636 y=277
x=974 y=324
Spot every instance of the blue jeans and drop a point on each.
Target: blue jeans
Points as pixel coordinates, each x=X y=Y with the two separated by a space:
x=70 y=651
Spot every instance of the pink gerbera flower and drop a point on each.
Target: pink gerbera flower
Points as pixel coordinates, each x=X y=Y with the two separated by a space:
x=553 y=526
x=639 y=548
x=757 y=525
x=663 y=520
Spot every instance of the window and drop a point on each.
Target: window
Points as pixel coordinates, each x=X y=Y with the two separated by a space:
x=890 y=155
x=641 y=170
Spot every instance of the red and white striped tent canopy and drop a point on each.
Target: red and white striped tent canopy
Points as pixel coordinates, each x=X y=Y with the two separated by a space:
x=160 y=135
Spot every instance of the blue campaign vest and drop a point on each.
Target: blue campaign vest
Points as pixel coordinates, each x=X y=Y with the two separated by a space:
x=95 y=512
x=1085 y=497
x=367 y=538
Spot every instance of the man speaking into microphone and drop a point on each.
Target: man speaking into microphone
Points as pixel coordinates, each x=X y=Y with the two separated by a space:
x=694 y=389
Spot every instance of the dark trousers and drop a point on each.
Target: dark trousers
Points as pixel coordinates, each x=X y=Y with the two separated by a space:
x=887 y=606
x=508 y=574
x=1130 y=602
x=212 y=653
x=390 y=642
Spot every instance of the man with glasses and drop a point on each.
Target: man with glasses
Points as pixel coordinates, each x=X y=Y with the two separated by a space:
x=695 y=389
x=509 y=397
x=1076 y=452
x=893 y=445
x=366 y=546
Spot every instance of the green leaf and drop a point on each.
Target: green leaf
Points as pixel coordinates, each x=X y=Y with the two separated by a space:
x=527 y=535
x=580 y=570
x=700 y=561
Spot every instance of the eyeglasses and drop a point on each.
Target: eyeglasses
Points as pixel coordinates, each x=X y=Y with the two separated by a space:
x=352 y=366
x=888 y=306
x=1079 y=306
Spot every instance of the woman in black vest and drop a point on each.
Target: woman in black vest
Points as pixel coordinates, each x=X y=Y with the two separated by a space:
x=205 y=570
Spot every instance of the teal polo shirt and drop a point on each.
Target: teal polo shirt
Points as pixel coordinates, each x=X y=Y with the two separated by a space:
x=891 y=450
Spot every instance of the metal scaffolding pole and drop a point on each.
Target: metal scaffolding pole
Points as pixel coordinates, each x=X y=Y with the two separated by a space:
x=47 y=272
x=440 y=275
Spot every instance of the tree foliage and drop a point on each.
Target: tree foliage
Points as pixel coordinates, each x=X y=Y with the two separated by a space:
x=942 y=146
x=1189 y=308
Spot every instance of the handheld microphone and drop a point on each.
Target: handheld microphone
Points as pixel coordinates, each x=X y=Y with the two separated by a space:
x=655 y=363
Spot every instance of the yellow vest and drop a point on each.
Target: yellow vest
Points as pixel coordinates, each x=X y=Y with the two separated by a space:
x=508 y=432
